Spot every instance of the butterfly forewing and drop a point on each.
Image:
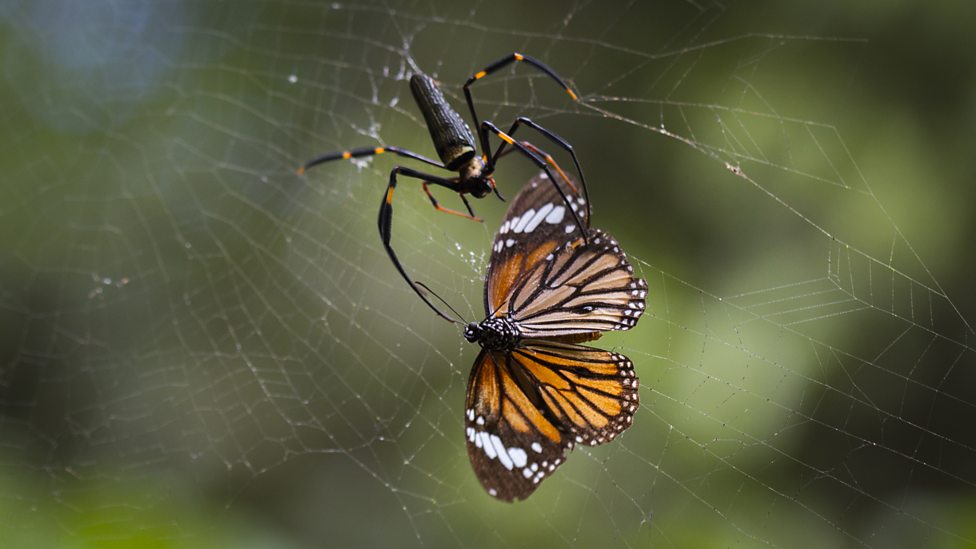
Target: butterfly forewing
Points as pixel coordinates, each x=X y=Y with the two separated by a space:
x=584 y=287
x=537 y=222
x=526 y=408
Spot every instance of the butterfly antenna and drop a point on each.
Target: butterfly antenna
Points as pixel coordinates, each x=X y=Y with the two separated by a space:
x=460 y=319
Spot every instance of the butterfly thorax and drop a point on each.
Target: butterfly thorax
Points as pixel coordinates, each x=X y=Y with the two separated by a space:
x=494 y=334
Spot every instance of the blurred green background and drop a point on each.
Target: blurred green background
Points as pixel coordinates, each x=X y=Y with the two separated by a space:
x=201 y=348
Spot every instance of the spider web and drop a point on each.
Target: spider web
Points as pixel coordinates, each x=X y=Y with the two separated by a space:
x=200 y=345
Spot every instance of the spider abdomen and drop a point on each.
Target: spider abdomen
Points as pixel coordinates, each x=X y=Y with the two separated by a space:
x=450 y=133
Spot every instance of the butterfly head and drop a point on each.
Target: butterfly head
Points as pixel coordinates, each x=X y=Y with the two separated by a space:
x=472 y=332
x=493 y=333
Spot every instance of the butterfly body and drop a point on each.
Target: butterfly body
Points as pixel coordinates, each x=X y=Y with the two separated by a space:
x=534 y=392
x=494 y=334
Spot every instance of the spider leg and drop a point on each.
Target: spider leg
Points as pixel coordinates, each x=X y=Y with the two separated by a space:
x=468 y=206
x=366 y=151
x=558 y=141
x=385 y=222
x=470 y=215
x=503 y=62
x=549 y=160
x=487 y=126
x=542 y=154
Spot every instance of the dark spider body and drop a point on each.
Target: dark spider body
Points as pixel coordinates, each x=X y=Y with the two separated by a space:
x=455 y=144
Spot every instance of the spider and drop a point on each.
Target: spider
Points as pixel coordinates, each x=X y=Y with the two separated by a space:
x=455 y=145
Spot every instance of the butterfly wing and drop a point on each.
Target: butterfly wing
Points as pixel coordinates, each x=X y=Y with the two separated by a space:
x=512 y=445
x=537 y=222
x=526 y=408
x=579 y=288
x=590 y=392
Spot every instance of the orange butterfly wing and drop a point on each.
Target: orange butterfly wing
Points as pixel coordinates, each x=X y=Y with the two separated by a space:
x=536 y=223
x=580 y=288
x=526 y=408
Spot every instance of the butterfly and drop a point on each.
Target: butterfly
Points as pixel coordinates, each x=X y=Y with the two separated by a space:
x=534 y=392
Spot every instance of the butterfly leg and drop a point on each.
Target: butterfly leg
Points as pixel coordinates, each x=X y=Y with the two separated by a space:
x=385 y=223
x=470 y=215
x=487 y=127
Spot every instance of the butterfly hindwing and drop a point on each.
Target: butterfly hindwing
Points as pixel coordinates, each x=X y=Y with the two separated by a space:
x=512 y=444
x=526 y=408
x=590 y=392
x=537 y=222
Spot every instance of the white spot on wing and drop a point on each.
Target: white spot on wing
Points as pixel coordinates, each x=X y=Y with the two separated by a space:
x=538 y=217
x=518 y=455
x=569 y=228
x=485 y=444
x=523 y=221
x=536 y=447
x=509 y=243
x=556 y=215
x=500 y=452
